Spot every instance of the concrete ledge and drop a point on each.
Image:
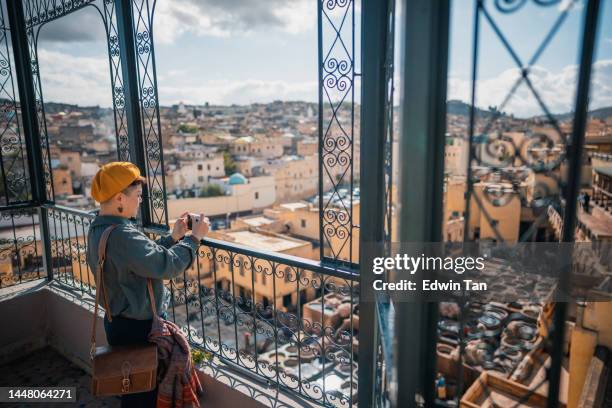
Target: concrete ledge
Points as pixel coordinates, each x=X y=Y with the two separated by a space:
x=218 y=394
x=23 y=317
x=45 y=314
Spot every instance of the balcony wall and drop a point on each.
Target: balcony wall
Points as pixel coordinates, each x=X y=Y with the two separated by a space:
x=40 y=314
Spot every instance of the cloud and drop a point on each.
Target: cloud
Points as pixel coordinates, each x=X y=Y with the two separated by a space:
x=226 y=92
x=173 y=18
x=223 y=18
x=85 y=81
x=572 y=5
x=79 y=80
x=556 y=89
x=84 y=25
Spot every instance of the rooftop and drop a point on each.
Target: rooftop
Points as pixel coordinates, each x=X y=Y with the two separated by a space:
x=598 y=222
x=603 y=170
x=265 y=242
x=294 y=206
x=257 y=221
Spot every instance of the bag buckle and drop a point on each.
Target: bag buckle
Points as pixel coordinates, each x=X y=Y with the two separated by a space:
x=125 y=385
x=125 y=382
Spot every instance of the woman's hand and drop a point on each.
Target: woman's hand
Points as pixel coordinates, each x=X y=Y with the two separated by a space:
x=180 y=227
x=200 y=228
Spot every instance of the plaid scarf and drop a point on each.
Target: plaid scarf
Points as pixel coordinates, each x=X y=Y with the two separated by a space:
x=178 y=382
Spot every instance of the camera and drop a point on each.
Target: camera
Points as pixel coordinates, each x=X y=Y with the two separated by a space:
x=190 y=220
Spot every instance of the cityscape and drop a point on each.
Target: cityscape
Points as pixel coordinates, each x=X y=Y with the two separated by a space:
x=318 y=138
x=254 y=171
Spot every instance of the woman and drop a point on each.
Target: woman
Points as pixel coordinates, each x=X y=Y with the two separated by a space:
x=131 y=258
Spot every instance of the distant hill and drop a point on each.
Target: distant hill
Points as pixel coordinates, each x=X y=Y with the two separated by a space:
x=601 y=113
x=456 y=107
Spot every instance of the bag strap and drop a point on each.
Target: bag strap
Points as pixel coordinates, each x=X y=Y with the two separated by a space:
x=100 y=289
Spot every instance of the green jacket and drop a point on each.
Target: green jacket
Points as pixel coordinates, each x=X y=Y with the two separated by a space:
x=131 y=258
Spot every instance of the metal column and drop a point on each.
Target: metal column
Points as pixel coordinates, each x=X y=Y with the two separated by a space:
x=31 y=131
x=374 y=28
x=129 y=68
x=575 y=155
x=422 y=131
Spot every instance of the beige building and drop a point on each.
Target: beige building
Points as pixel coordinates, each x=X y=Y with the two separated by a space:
x=62 y=181
x=296 y=177
x=267 y=283
x=72 y=160
x=103 y=145
x=307 y=147
x=492 y=205
x=250 y=166
x=301 y=220
x=456 y=155
x=259 y=146
x=195 y=172
x=500 y=208
x=256 y=194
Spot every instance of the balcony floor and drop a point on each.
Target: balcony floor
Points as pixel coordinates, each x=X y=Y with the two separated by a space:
x=46 y=367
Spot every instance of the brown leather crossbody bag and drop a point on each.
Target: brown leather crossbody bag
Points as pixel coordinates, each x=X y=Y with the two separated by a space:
x=120 y=370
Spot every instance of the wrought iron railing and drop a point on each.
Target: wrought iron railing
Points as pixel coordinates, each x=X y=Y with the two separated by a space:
x=290 y=322
x=285 y=321
x=497 y=159
x=20 y=250
x=68 y=244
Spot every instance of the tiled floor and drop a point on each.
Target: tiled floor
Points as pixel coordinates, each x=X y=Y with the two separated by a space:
x=47 y=367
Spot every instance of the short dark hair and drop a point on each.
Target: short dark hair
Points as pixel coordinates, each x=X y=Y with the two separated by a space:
x=134 y=183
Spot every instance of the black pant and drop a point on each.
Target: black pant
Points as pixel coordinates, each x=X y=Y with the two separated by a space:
x=123 y=331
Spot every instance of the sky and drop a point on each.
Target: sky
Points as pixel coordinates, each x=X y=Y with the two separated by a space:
x=244 y=51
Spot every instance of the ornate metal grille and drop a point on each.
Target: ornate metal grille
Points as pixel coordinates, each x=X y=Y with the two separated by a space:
x=336 y=20
x=20 y=254
x=14 y=177
x=37 y=14
x=497 y=159
x=114 y=57
x=302 y=345
x=389 y=128
x=149 y=109
x=492 y=155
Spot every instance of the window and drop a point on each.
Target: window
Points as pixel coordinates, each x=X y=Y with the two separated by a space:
x=257 y=195
x=303 y=223
x=200 y=178
x=208 y=167
x=199 y=167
